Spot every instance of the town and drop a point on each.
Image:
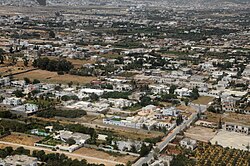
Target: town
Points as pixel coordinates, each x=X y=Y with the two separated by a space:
x=112 y=83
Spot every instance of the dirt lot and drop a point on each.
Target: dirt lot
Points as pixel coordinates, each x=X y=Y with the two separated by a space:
x=53 y=77
x=5 y=69
x=200 y=133
x=231 y=140
x=203 y=100
x=242 y=119
x=20 y=138
x=101 y=154
x=187 y=111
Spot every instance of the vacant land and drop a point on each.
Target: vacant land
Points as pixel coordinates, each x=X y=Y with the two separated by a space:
x=200 y=133
x=242 y=119
x=6 y=70
x=104 y=155
x=231 y=140
x=53 y=77
x=212 y=117
x=186 y=109
x=203 y=100
x=20 y=138
x=236 y=118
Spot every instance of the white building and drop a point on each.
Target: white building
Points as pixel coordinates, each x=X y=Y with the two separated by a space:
x=172 y=111
x=79 y=138
x=19 y=160
x=233 y=127
x=183 y=92
x=120 y=103
x=158 y=89
x=149 y=108
x=25 y=109
x=188 y=143
x=5 y=81
x=13 y=101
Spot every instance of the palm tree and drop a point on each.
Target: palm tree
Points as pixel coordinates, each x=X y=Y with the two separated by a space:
x=14 y=60
x=1 y=56
x=25 y=61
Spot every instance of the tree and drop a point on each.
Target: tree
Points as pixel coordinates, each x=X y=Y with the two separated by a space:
x=220 y=124
x=27 y=80
x=1 y=56
x=9 y=150
x=52 y=34
x=94 y=97
x=14 y=60
x=36 y=81
x=186 y=101
x=11 y=50
x=195 y=94
x=248 y=147
x=144 y=150
x=25 y=61
x=116 y=146
x=145 y=100
x=179 y=120
x=71 y=141
x=70 y=84
x=19 y=93
x=172 y=89
x=65 y=98
x=21 y=150
x=181 y=160
x=109 y=139
x=133 y=149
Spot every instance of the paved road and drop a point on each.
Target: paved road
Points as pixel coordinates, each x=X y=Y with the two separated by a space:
x=167 y=139
x=73 y=155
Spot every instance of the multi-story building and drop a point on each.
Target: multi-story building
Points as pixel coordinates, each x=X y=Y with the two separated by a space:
x=237 y=128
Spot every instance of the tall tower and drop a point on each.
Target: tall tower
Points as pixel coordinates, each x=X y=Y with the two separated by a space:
x=42 y=2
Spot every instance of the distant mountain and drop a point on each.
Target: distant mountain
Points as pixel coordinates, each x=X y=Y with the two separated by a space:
x=168 y=3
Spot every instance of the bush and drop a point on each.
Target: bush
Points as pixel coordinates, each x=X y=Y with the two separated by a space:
x=60 y=73
x=62 y=113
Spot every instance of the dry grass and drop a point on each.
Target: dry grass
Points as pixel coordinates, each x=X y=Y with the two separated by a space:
x=186 y=109
x=20 y=138
x=212 y=117
x=203 y=100
x=5 y=69
x=236 y=118
x=242 y=119
x=103 y=155
x=53 y=77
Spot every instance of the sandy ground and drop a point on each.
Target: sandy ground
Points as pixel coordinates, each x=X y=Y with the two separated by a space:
x=203 y=100
x=104 y=155
x=53 y=77
x=21 y=139
x=200 y=133
x=231 y=140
